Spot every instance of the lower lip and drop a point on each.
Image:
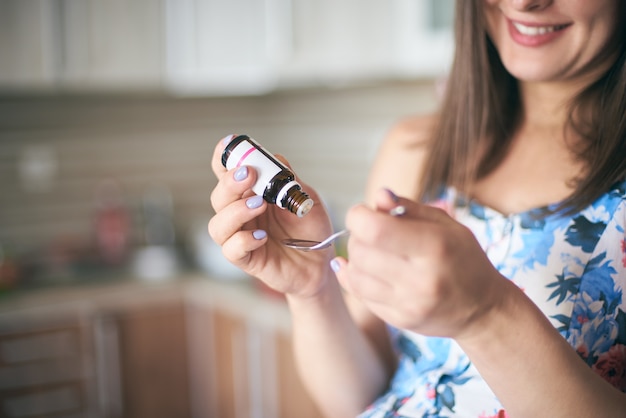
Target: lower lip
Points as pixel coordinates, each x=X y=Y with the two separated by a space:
x=534 y=40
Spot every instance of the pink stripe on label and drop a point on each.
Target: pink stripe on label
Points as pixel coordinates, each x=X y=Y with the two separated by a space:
x=244 y=156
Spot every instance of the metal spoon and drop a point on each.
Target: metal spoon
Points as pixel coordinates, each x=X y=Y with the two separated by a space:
x=308 y=245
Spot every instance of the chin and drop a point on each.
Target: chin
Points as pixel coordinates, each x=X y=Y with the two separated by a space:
x=536 y=71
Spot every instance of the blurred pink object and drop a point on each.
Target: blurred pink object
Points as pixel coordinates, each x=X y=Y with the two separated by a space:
x=112 y=224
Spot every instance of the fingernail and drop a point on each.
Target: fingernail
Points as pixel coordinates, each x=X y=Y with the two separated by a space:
x=241 y=173
x=392 y=195
x=259 y=234
x=254 y=202
x=398 y=211
x=335 y=265
x=226 y=140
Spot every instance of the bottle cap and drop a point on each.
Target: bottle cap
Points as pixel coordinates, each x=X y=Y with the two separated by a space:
x=292 y=197
x=304 y=207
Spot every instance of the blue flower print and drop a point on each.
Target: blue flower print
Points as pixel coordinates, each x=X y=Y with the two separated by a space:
x=584 y=233
x=573 y=267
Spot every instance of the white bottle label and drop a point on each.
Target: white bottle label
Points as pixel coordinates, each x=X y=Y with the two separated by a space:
x=245 y=153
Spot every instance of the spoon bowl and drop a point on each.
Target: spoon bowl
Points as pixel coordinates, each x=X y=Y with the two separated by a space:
x=308 y=245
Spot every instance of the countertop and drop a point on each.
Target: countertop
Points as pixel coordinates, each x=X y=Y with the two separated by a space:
x=237 y=297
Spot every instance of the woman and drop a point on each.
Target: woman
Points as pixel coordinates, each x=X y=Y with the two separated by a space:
x=502 y=296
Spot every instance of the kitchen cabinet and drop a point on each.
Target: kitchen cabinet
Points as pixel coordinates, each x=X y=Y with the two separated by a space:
x=242 y=360
x=152 y=361
x=85 y=360
x=219 y=47
x=247 y=46
x=204 y=47
x=187 y=348
x=80 y=45
x=225 y=47
x=46 y=366
x=27 y=41
x=339 y=43
x=110 y=45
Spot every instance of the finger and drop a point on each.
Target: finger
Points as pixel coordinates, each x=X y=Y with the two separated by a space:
x=227 y=222
x=386 y=266
x=386 y=201
x=385 y=300
x=305 y=187
x=283 y=160
x=233 y=185
x=239 y=246
x=358 y=284
x=370 y=226
x=216 y=162
x=400 y=235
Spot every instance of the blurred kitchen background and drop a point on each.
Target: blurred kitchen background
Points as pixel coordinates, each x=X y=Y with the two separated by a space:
x=114 y=302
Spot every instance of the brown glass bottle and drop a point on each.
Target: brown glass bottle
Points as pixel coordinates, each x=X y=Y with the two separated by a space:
x=275 y=181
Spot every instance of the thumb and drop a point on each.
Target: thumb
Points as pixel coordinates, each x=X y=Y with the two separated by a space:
x=386 y=201
x=339 y=266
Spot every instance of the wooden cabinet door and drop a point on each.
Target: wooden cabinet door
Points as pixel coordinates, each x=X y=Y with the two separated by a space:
x=218 y=364
x=153 y=361
x=45 y=366
x=242 y=366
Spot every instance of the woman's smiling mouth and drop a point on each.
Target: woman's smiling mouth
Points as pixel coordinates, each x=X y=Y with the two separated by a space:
x=533 y=35
x=536 y=30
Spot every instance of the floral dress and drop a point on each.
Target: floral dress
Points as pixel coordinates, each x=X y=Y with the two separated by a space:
x=573 y=268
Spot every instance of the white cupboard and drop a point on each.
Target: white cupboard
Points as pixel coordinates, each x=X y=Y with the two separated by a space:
x=219 y=47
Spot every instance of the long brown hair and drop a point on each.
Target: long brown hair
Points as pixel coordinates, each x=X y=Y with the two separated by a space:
x=481 y=110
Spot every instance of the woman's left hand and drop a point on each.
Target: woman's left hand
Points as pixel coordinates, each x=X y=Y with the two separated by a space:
x=422 y=271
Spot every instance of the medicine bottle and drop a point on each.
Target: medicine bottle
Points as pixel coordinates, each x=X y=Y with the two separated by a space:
x=275 y=181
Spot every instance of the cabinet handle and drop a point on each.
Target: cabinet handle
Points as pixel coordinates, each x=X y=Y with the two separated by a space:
x=108 y=371
x=261 y=374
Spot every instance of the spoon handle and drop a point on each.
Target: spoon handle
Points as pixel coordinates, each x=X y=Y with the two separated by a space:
x=308 y=245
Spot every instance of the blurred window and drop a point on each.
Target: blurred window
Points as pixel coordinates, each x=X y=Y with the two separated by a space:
x=441 y=14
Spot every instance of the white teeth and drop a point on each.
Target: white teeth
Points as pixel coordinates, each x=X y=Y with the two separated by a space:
x=534 y=30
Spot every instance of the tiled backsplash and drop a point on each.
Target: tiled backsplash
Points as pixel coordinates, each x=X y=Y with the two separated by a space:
x=55 y=151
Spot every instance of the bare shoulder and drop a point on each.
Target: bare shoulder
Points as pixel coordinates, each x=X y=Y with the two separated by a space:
x=399 y=160
x=411 y=132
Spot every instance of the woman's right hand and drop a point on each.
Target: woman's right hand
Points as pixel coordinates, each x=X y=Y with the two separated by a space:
x=250 y=231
